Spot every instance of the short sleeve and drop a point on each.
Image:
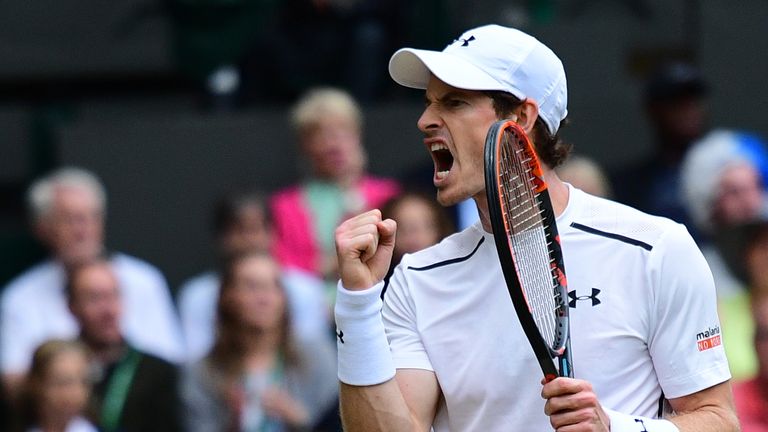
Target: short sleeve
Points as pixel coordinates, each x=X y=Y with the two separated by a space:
x=400 y=321
x=685 y=341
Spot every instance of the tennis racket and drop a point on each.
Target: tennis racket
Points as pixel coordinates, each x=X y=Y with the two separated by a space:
x=528 y=244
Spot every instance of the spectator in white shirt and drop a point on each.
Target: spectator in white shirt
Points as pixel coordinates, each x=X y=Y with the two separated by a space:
x=67 y=208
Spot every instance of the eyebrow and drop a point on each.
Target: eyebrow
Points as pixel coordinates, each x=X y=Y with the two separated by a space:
x=448 y=95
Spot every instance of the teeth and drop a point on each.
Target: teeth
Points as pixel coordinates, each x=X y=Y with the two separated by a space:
x=442 y=174
x=438 y=146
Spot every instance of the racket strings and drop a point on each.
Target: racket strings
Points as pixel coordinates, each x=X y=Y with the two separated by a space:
x=526 y=232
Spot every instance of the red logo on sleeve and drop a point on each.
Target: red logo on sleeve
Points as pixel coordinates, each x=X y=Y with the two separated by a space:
x=709 y=338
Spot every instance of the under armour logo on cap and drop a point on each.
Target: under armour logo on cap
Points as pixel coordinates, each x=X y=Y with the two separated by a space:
x=501 y=58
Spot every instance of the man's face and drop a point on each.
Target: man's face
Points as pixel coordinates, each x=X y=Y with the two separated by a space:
x=334 y=149
x=739 y=195
x=95 y=302
x=73 y=228
x=455 y=123
x=682 y=120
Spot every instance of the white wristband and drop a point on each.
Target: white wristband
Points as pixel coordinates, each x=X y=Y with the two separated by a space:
x=364 y=355
x=629 y=423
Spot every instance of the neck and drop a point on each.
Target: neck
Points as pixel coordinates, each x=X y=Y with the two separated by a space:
x=260 y=343
x=558 y=194
x=558 y=191
x=71 y=263
x=344 y=180
x=53 y=422
x=107 y=353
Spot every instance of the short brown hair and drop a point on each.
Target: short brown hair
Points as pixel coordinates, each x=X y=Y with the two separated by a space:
x=550 y=148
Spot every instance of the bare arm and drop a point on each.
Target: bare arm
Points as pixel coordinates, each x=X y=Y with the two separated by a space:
x=708 y=410
x=572 y=402
x=406 y=403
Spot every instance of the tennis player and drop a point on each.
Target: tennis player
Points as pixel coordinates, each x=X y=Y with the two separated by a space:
x=438 y=345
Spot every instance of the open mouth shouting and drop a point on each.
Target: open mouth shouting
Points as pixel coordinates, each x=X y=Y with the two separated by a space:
x=442 y=158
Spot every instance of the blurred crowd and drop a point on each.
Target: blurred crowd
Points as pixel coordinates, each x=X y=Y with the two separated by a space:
x=95 y=339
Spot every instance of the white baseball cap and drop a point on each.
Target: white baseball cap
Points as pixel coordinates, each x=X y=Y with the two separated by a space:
x=491 y=57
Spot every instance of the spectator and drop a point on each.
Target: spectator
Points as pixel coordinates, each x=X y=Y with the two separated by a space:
x=723 y=183
x=750 y=396
x=329 y=127
x=55 y=393
x=258 y=376
x=745 y=249
x=242 y=224
x=134 y=391
x=585 y=174
x=675 y=104
x=421 y=222
x=67 y=209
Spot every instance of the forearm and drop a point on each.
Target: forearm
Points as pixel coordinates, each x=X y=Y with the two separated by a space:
x=709 y=419
x=709 y=410
x=380 y=407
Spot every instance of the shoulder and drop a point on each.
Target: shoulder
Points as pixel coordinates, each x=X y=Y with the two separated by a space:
x=378 y=190
x=200 y=285
x=373 y=182
x=594 y=216
x=132 y=268
x=298 y=279
x=33 y=281
x=285 y=195
x=457 y=247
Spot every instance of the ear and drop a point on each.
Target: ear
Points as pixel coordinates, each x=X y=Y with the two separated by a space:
x=526 y=114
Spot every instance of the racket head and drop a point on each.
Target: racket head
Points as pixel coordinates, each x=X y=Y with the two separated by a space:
x=528 y=244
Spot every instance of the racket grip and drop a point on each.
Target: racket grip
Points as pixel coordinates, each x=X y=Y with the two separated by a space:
x=565 y=361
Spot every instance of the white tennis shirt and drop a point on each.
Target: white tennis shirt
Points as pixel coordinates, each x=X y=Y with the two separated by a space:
x=644 y=323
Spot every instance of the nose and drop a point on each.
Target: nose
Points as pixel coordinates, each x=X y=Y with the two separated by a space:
x=429 y=120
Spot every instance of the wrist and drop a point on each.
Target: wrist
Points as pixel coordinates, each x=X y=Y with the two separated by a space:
x=620 y=422
x=364 y=356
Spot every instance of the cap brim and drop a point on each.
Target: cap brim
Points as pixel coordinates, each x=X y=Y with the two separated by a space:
x=412 y=68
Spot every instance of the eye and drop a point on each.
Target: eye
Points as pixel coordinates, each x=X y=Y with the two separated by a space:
x=454 y=103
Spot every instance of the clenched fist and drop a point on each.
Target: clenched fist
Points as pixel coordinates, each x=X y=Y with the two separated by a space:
x=364 y=247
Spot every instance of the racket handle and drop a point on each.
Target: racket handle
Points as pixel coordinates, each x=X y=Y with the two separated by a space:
x=565 y=362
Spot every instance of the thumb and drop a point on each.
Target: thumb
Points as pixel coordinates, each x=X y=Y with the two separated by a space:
x=379 y=263
x=387 y=233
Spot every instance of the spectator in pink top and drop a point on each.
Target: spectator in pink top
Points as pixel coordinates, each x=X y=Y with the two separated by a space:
x=328 y=123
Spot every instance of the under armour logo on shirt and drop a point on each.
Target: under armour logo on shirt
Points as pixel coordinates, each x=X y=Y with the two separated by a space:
x=574 y=298
x=465 y=42
x=340 y=335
